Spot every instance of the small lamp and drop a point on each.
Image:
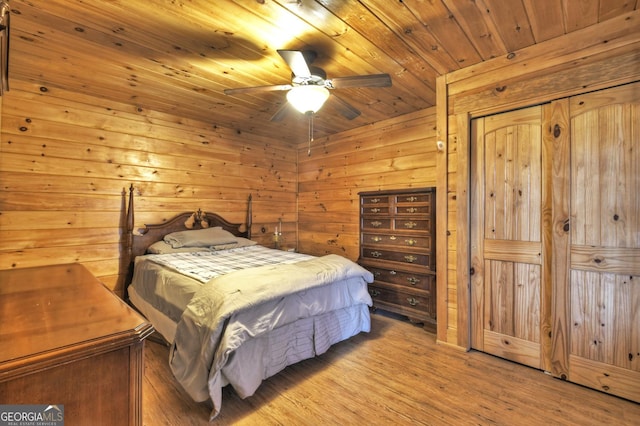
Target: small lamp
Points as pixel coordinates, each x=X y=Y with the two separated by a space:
x=307 y=98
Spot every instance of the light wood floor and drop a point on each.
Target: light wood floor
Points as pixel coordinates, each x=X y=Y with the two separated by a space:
x=394 y=375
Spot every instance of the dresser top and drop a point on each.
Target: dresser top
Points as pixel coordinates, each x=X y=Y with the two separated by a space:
x=398 y=191
x=51 y=311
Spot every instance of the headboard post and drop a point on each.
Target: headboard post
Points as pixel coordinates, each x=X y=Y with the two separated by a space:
x=129 y=239
x=130 y=218
x=249 y=217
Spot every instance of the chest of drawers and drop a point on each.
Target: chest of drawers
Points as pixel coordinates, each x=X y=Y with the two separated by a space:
x=397 y=244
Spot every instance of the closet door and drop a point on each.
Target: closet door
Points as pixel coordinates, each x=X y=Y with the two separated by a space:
x=510 y=303
x=597 y=300
x=555 y=238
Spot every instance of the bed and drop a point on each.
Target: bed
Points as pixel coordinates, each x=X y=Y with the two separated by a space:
x=234 y=312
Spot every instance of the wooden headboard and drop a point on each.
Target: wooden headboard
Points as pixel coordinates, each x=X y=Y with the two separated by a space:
x=138 y=241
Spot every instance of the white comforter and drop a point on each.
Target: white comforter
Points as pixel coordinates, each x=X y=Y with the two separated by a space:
x=234 y=308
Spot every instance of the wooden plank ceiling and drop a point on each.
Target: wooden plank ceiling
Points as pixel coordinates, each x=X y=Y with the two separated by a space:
x=177 y=56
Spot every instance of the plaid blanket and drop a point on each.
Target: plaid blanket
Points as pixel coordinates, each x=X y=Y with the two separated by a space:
x=205 y=265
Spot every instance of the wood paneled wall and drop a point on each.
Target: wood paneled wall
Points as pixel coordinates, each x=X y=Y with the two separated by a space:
x=66 y=161
x=391 y=154
x=66 y=158
x=596 y=57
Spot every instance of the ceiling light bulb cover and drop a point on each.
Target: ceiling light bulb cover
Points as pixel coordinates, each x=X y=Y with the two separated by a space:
x=307 y=98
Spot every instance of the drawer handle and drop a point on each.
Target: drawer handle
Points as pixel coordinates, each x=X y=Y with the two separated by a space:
x=375 y=210
x=392 y=272
x=374 y=293
x=410 y=225
x=412 y=301
x=376 y=254
x=376 y=274
x=376 y=239
x=411 y=209
x=393 y=238
x=411 y=242
x=412 y=199
x=413 y=280
x=376 y=224
x=410 y=258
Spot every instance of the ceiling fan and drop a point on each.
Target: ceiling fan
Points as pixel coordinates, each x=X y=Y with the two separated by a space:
x=309 y=87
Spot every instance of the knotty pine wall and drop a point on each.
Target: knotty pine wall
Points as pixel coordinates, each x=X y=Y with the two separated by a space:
x=65 y=160
x=391 y=154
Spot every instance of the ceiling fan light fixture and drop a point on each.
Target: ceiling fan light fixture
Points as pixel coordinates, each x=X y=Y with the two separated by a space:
x=307 y=98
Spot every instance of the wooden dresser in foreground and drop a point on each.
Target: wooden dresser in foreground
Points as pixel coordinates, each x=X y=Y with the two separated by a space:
x=65 y=339
x=397 y=244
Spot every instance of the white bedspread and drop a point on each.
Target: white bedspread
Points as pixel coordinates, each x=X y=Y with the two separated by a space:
x=231 y=309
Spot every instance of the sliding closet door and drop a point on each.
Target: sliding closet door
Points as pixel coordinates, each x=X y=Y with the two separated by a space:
x=510 y=302
x=597 y=327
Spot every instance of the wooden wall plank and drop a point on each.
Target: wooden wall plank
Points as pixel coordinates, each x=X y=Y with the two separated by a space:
x=67 y=160
x=395 y=153
x=605 y=69
x=442 y=205
x=462 y=269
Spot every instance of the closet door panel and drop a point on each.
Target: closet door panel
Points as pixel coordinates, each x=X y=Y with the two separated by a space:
x=604 y=279
x=506 y=235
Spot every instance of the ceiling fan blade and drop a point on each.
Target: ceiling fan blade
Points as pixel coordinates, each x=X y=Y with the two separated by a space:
x=271 y=88
x=345 y=108
x=297 y=62
x=373 y=80
x=282 y=112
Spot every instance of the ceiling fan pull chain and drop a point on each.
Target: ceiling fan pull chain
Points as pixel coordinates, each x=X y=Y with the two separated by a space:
x=311 y=114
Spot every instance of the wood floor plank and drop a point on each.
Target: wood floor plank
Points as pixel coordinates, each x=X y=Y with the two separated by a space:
x=397 y=375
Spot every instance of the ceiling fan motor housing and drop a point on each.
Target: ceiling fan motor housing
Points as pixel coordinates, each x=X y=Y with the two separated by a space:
x=317 y=77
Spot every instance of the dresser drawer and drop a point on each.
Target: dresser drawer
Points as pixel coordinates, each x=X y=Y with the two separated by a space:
x=375 y=199
x=413 y=209
x=424 y=282
x=369 y=223
x=376 y=209
x=412 y=258
x=413 y=198
x=406 y=302
x=369 y=238
x=412 y=224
